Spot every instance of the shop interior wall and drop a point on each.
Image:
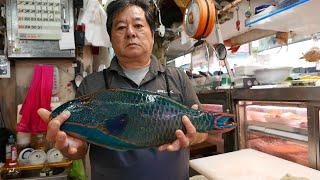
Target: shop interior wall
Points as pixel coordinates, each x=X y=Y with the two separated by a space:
x=14 y=89
x=7 y=99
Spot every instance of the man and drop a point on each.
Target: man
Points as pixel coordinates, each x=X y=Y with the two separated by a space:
x=131 y=29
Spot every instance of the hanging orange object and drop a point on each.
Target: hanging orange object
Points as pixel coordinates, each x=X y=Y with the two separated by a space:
x=182 y=4
x=199 y=18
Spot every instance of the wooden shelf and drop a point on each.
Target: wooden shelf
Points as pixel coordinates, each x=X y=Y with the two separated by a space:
x=301 y=17
x=64 y=164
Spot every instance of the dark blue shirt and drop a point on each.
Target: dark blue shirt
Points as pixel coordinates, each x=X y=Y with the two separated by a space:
x=144 y=164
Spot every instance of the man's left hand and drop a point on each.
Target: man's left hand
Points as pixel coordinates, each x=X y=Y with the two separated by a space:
x=185 y=140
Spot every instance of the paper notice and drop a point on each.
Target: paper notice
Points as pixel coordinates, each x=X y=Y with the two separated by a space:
x=67 y=40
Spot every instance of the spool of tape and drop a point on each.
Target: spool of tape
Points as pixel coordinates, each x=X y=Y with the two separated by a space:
x=24 y=155
x=54 y=155
x=199 y=18
x=37 y=157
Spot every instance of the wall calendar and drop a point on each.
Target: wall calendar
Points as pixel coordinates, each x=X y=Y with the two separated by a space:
x=39 y=19
x=35 y=28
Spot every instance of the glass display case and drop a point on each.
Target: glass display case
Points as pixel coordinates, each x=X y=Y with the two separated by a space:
x=277 y=128
x=283 y=122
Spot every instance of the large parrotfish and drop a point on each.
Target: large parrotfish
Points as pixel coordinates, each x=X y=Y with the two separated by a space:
x=124 y=119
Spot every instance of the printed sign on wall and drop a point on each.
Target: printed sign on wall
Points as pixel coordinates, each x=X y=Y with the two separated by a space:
x=39 y=19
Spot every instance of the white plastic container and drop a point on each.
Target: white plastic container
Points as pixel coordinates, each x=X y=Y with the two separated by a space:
x=245 y=70
x=272 y=75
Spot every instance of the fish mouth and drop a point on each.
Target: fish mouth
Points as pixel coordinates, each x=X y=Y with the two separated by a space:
x=227 y=124
x=230 y=122
x=223 y=125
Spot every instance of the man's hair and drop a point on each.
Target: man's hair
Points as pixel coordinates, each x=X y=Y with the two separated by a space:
x=117 y=6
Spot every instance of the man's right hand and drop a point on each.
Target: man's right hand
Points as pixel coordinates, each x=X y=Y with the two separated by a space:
x=71 y=147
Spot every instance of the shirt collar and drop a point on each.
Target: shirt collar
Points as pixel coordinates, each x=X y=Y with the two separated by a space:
x=155 y=65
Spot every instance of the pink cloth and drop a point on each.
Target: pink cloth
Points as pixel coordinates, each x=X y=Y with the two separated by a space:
x=38 y=96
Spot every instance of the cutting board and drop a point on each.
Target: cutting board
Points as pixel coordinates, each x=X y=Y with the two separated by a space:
x=249 y=164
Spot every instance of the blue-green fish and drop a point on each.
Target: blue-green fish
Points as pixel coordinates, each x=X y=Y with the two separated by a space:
x=124 y=119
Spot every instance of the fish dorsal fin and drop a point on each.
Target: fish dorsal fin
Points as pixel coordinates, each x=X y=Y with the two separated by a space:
x=116 y=125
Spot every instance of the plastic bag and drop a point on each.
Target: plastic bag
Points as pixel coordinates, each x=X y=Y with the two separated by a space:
x=77 y=170
x=95 y=18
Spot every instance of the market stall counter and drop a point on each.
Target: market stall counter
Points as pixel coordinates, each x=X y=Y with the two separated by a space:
x=249 y=164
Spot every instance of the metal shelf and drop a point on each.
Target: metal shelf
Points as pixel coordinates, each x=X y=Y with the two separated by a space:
x=301 y=17
x=279 y=126
x=280 y=133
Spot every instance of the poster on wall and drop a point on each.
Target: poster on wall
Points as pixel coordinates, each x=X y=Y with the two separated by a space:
x=4 y=67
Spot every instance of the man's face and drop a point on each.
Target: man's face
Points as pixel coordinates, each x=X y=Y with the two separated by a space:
x=131 y=35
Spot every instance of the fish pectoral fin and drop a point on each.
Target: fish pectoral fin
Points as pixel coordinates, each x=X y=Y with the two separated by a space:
x=116 y=125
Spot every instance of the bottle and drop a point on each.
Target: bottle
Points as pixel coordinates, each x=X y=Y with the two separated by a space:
x=14 y=156
x=8 y=149
x=11 y=152
x=224 y=80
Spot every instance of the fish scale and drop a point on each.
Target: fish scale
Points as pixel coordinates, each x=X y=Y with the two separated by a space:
x=124 y=119
x=154 y=134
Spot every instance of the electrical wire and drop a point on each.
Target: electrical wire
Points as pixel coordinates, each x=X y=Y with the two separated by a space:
x=5 y=50
x=158 y=9
x=2 y=123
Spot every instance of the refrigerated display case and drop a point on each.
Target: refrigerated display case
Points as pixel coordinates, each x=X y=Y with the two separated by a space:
x=277 y=128
x=283 y=122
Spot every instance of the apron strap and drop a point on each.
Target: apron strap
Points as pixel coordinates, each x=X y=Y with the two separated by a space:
x=105 y=78
x=167 y=82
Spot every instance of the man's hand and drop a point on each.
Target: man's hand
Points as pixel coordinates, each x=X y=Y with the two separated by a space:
x=71 y=147
x=185 y=140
